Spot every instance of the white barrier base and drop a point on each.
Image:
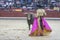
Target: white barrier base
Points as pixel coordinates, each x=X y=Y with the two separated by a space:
x=24 y=18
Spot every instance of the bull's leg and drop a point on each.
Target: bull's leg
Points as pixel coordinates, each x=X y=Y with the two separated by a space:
x=29 y=23
x=29 y=26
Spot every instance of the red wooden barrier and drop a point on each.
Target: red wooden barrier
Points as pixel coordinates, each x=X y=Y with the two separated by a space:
x=10 y=13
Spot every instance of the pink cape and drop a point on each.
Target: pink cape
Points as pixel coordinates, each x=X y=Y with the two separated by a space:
x=35 y=25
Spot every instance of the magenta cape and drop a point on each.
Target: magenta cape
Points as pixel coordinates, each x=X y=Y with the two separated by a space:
x=35 y=25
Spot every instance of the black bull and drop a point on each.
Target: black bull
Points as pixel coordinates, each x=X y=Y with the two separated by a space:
x=30 y=21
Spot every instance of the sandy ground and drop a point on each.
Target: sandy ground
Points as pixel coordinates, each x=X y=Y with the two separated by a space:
x=18 y=30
